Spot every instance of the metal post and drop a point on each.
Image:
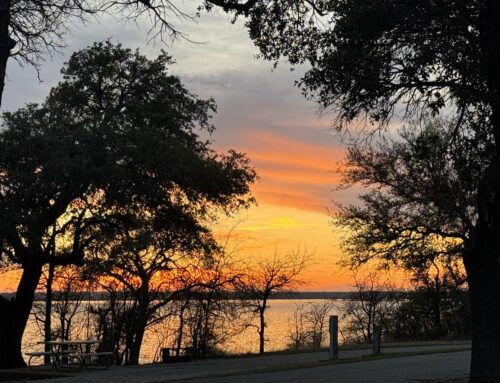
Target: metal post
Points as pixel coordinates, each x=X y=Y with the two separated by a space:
x=334 y=337
x=376 y=340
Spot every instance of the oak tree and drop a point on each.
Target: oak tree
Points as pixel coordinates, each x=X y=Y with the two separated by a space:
x=372 y=60
x=117 y=133
x=419 y=204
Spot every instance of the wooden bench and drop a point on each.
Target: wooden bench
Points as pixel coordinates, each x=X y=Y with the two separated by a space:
x=169 y=355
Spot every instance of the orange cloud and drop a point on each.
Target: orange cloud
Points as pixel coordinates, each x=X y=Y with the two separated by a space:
x=292 y=173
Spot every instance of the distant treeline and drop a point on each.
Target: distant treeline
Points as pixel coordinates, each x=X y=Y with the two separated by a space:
x=343 y=295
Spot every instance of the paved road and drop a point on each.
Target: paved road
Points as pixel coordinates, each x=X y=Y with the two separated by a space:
x=395 y=370
x=250 y=369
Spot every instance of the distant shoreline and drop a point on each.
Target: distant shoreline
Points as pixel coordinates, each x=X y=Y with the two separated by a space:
x=296 y=295
x=302 y=295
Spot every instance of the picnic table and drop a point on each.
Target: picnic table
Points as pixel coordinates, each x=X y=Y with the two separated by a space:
x=61 y=352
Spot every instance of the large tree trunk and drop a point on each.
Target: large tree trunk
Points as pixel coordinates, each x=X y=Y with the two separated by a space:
x=482 y=257
x=14 y=317
x=482 y=263
x=10 y=336
x=139 y=328
x=484 y=288
x=135 y=346
x=6 y=43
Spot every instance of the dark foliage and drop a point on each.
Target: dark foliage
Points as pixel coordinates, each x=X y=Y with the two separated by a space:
x=118 y=134
x=436 y=306
x=371 y=60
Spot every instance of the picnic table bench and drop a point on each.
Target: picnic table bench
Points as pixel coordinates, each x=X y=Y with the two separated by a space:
x=63 y=351
x=98 y=358
x=54 y=356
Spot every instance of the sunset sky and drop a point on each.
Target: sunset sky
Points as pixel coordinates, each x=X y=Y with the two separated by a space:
x=260 y=112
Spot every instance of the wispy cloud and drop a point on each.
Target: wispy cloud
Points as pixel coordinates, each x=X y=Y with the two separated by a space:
x=293 y=173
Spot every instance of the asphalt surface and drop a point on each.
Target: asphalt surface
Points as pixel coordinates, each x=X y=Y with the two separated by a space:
x=306 y=367
x=395 y=370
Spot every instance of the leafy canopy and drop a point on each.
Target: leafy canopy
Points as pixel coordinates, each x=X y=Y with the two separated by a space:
x=369 y=58
x=118 y=134
x=420 y=193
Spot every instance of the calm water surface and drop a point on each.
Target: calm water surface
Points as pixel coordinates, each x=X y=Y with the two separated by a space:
x=278 y=317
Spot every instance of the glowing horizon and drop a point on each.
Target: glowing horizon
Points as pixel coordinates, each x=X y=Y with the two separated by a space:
x=260 y=113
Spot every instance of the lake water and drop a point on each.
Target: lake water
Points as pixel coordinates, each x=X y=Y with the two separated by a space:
x=279 y=319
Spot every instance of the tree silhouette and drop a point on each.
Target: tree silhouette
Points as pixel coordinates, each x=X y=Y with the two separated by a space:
x=372 y=59
x=117 y=133
x=420 y=205
x=278 y=273
x=148 y=258
x=369 y=310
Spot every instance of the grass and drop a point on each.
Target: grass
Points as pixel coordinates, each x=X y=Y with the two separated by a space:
x=299 y=366
x=345 y=347
x=456 y=380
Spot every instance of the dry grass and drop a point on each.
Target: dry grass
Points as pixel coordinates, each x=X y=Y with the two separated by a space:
x=457 y=380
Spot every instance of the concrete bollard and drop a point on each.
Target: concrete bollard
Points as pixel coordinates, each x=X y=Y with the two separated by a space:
x=334 y=337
